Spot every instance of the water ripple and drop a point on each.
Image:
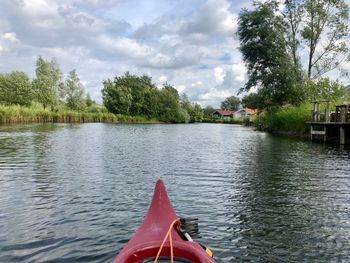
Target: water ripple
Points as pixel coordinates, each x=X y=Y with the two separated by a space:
x=77 y=193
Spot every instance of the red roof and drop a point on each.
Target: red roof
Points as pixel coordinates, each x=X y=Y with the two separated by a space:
x=251 y=111
x=225 y=112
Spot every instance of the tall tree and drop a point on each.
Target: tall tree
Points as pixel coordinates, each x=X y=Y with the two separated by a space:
x=73 y=92
x=264 y=49
x=89 y=102
x=231 y=103
x=326 y=25
x=116 y=98
x=208 y=111
x=293 y=13
x=194 y=110
x=46 y=83
x=15 y=88
x=320 y=28
x=253 y=101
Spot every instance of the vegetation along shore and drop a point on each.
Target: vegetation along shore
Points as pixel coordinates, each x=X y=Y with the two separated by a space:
x=281 y=84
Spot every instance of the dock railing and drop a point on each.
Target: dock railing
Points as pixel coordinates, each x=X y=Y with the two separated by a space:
x=321 y=116
x=325 y=121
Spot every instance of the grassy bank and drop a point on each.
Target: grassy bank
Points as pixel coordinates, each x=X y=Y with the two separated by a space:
x=35 y=113
x=222 y=120
x=286 y=120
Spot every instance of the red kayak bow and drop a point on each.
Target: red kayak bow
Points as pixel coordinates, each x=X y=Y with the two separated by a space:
x=145 y=244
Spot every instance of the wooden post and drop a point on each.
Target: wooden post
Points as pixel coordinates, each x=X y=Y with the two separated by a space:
x=318 y=111
x=314 y=112
x=328 y=112
x=311 y=130
x=342 y=135
x=342 y=114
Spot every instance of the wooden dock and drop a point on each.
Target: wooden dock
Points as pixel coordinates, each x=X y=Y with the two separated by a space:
x=330 y=126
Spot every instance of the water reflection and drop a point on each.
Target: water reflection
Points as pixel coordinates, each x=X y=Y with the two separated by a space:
x=76 y=193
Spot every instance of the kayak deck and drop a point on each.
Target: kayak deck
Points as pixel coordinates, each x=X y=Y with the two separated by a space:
x=144 y=245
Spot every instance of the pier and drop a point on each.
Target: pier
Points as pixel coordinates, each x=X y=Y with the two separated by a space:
x=330 y=126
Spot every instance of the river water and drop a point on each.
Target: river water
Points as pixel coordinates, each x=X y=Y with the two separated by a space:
x=77 y=193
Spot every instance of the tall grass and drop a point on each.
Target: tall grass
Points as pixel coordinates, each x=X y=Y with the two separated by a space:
x=222 y=120
x=36 y=113
x=288 y=119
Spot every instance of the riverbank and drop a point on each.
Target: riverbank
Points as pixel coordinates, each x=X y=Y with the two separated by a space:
x=20 y=114
x=288 y=121
x=222 y=120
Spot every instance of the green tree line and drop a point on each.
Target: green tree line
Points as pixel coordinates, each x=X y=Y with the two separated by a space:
x=138 y=96
x=49 y=88
x=127 y=95
x=273 y=41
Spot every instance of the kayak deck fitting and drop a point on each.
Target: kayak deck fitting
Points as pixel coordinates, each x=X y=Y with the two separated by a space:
x=161 y=225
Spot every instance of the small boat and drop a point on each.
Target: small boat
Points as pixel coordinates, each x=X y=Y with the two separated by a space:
x=161 y=237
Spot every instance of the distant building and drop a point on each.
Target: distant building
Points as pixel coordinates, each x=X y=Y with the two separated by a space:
x=223 y=113
x=244 y=113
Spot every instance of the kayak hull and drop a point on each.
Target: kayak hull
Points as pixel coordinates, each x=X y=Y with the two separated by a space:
x=145 y=244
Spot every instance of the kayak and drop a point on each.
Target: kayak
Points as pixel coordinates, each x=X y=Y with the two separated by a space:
x=161 y=238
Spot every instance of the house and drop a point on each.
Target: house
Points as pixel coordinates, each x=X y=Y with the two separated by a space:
x=223 y=113
x=245 y=113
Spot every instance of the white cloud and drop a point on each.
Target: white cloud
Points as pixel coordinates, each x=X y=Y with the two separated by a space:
x=10 y=37
x=162 y=79
x=180 y=88
x=239 y=71
x=219 y=74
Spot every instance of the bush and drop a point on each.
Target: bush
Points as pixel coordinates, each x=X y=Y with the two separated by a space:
x=286 y=119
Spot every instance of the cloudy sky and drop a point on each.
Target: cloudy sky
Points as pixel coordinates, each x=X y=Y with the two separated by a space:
x=190 y=44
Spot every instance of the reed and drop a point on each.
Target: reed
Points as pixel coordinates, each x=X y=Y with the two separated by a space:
x=36 y=113
x=222 y=120
x=288 y=119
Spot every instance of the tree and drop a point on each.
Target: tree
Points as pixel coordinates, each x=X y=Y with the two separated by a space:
x=89 y=102
x=320 y=28
x=73 y=92
x=264 y=49
x=293 y=13
x=196 y=114
x=231 y=103
x=194 y=110
x=208 y=111
x=326 y=89
x=46 y=83
x=253 y=101
x=116 y=98
x=170 y=108
x=15 y=88
x=324 y=33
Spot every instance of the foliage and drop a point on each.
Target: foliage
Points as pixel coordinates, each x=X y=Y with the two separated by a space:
x=264 y=49
x=208 y=111
x=231 y=103
x=194 y=110
x=253 y=101
x=127 y=98
x=221 y=120
x=324 y=34
x=326 y=89
x=46 y=83
x=36 y=113
x=138 y=96
x=89 y=102
x=170 y=108
x=290 y=118
x=15 y=88
x=72 y=91
x=116 y=98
